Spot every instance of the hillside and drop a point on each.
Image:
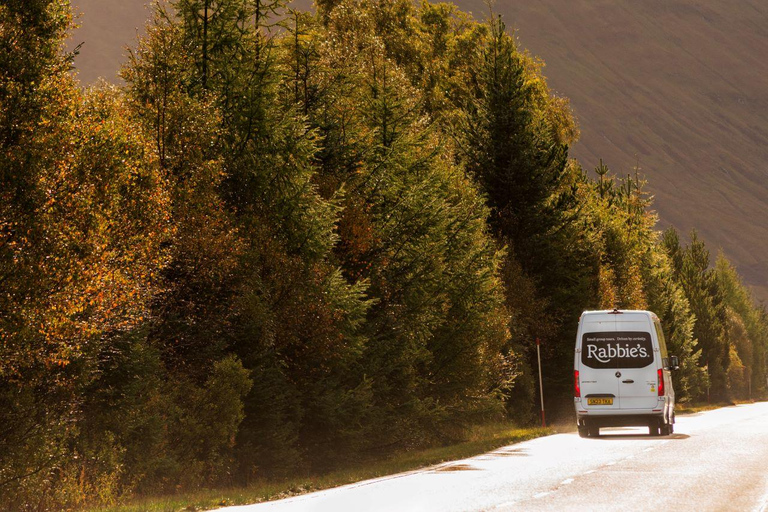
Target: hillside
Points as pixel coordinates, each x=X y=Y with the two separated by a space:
x=280 y=257
x=679 y=88
x=106 y=29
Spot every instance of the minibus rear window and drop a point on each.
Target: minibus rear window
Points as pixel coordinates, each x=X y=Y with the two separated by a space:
x=616 y=349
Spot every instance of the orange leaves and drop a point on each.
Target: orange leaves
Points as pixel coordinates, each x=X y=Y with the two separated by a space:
x=356 y=229
x=97 y=212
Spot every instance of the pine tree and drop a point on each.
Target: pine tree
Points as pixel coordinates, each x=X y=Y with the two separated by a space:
x=514 y=138
x=667 y=299
x=282 y=307
x=517 y=144
x=746 y=329
x=699 y=282
x=412 y=225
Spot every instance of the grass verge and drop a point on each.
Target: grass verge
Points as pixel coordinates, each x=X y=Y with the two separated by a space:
x=701 y=407
x=481 y=439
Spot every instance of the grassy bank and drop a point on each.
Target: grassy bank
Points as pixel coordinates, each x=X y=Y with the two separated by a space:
x=703 y=406
x=480 y=440
x=699 y=407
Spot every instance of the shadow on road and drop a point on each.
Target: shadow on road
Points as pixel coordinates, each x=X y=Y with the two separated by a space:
x=456 y=467
x=513 y=452
x=615 y=436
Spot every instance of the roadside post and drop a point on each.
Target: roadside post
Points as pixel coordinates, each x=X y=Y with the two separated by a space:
x=541 y=383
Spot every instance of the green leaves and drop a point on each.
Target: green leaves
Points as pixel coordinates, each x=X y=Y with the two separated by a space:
x=83 y=216
x=412 y=223
x=746 y=330
x=272 y=244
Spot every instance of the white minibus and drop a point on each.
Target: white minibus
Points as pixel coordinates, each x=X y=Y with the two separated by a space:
x=622 y=373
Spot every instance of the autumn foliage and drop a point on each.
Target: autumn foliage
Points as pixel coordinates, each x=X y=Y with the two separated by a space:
x=272 y=250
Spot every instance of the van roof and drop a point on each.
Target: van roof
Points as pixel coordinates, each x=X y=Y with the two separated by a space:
x=619 y=312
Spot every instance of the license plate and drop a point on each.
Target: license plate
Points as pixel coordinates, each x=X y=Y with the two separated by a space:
x=599 y=401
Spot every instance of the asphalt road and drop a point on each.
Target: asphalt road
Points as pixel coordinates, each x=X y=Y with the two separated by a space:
x=716 y=460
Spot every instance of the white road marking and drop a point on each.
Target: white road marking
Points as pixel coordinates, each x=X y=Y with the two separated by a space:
x=542 y=494
x=567 y=481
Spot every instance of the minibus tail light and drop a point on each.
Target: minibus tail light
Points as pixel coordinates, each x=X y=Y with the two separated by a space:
x=576 y=387
x=661 y=382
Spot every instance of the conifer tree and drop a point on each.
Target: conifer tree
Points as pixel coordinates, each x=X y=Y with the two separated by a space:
x=699 y=282
x=412 y=224
x=667 y=299
x=273 y=297
x=513 y=139
x=747 y=330
x=518 y=137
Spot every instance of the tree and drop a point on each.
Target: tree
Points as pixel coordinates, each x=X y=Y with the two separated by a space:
x=699 y=282
x=517 y=144
x=413 y=226
x=513 y=137
x=84 y=215
x=667 y=299
x=261 y=283
x=746 y=330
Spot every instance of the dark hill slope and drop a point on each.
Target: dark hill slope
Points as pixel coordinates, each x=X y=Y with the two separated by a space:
x=679 y=87
x=107 y=28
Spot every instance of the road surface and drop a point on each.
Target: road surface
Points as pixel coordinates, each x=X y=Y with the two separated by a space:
x=716 y=460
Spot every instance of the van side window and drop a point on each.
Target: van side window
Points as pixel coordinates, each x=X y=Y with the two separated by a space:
x=662 y=341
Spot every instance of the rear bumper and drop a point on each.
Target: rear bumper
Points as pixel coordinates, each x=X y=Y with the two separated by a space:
x=621 y=420
x=664 y=412
x=594 y=413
